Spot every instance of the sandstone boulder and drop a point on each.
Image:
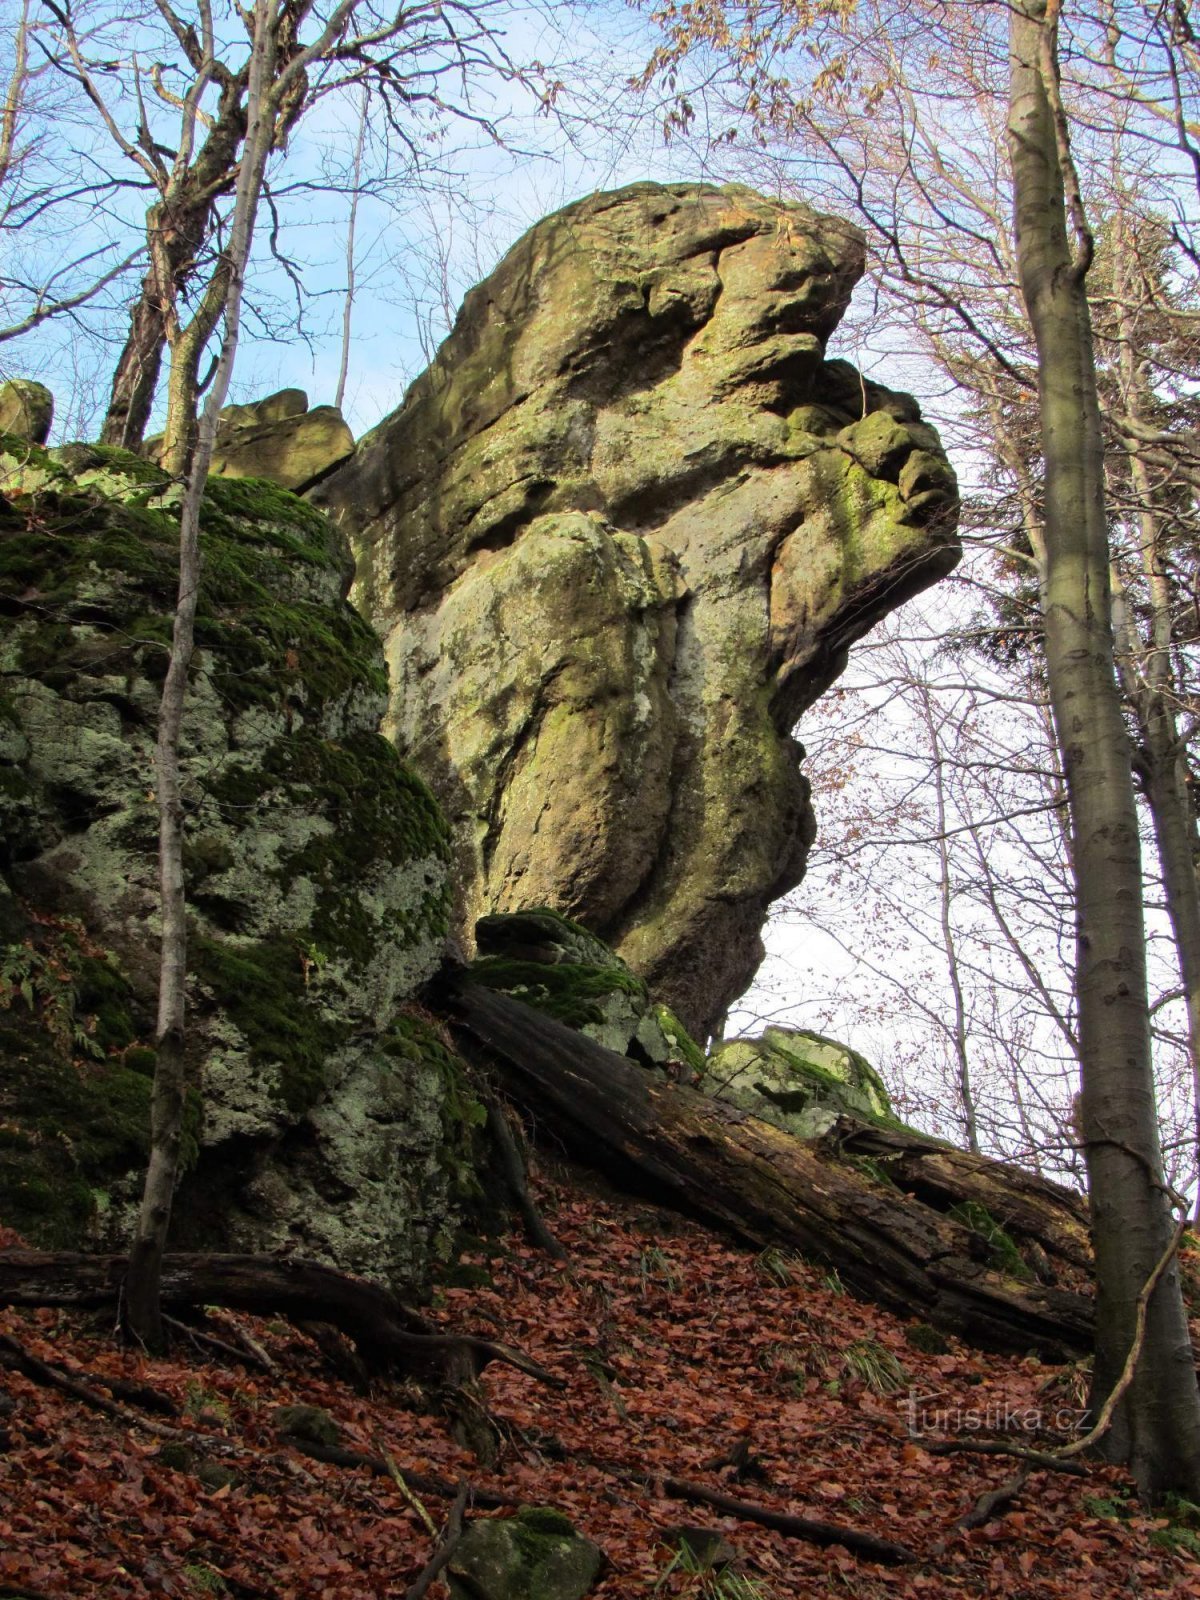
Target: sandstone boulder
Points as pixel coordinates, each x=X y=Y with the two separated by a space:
x=616 y=539
x=26 y=410
x=324 y=1117
x=277 y=438
x=800 y=1081
x=534 y=1555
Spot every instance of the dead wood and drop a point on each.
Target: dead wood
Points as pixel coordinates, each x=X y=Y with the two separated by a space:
x=895 y=1245
x=814 y=1532
x=1000 y=1447
x=386 y=1332
x=445 y=1548
x=513 y=1167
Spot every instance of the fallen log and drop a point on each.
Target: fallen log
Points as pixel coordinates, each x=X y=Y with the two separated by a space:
x=764 y=1186
x=386 y=1332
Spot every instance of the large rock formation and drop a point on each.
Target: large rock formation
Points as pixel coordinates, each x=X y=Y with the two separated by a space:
x=277 y=438
x=325 y=1118
x=617 y=538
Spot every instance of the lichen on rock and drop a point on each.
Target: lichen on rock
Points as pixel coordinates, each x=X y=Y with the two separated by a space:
x=316 y=868
x=552 y=964
x=617 y=538
x=798 y=1080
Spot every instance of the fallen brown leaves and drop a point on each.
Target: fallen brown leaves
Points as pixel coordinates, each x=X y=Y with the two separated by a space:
x=676 y=1352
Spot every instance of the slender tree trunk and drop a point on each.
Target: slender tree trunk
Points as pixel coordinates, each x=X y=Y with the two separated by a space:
x=962 y=1059
x=351 y=240
x=1168 y=793
x=136 y=375
x=143 y=1308
x=1157 y=1428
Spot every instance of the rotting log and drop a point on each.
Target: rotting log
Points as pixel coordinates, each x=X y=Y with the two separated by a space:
x=751 y=1179
x=386 y=1332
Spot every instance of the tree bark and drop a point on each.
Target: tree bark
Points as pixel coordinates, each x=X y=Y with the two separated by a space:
x=223 y=294
x=890 y=1241
x=177 y=228
x=1157 y=1430
x=386 y=1332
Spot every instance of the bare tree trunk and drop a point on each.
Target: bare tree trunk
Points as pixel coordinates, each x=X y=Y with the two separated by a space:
x=177 y=227
x=1157 y=1427
x=351 y=238
x=962 y=1059
x=170 y=1079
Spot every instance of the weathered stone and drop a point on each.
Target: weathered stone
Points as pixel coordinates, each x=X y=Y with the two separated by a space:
x=313 y=1424
x=617 y=538
x=534 y=1555
x=558 y=967
x=800 y=1081
x=278 y=439
x=316 y=870
x=26 y=410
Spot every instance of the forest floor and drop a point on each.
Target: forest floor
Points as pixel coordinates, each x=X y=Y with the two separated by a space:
x=681 y=1357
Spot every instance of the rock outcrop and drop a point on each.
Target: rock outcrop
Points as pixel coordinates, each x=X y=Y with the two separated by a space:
x=798 y=1080
x=326 y=1117
x=26 y=410
x=277 y=438
x=616 y=539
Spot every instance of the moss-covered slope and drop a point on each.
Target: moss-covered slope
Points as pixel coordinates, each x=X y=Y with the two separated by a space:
x=316 y=875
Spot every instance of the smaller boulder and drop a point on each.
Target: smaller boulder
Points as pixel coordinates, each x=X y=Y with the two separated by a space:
x=534 y=1555
x=800 y=1081
x=555 y=966
x=310 y=1424
x=277 y=438
x=26 y=410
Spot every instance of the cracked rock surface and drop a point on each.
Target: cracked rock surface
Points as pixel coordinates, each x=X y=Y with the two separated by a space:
x=616 y=539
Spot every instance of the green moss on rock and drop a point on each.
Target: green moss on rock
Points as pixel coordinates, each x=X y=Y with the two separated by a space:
x=799 y=1080
x=316 y=871
x=568 y=991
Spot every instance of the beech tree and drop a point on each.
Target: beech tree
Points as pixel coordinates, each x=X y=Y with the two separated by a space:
x=1148 y=1369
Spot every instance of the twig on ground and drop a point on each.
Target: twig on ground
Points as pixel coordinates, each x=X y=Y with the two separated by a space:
x=51 y=1377
x=397 y=1477
x=203 y=1340
x=821 y=1533
x=445 y=1547
x=991 y=1504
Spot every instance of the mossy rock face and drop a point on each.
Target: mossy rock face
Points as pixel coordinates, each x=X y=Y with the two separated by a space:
x=534 y=1555
x=316 y=867
x=800 y=1081
x=554 y=965
x=617 y=538
x=279 y=439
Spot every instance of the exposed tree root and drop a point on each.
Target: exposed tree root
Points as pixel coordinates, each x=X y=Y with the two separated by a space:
x=13 y=1353
x=814 y=1532
x=386 y=1332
